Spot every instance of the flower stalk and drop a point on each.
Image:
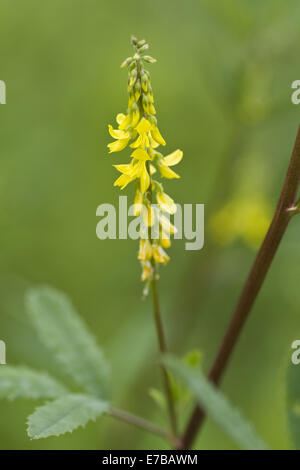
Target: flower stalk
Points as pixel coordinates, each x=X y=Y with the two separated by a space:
x=140 y=423
x=138 y=128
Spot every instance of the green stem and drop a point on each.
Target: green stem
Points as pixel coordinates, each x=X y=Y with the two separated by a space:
x=252 y=286
x=163 y=350
x=160 y=331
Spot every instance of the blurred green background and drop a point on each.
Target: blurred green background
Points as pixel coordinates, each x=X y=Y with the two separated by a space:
x=222 y=86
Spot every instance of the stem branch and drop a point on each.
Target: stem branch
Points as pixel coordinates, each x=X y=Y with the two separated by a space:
x=139 y=422
x=253 y=284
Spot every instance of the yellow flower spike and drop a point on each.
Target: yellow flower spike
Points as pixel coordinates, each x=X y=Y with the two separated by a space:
x=157 y=136
x=160 y=255
x=138 y=129
x=166 y=225
x=138 y=201
x=147 y=270
x=148 y=216
x=166 y=172
x=173 y=158
x=166 y=203
x=118 y=134
x=118 y=145
x=145 y=250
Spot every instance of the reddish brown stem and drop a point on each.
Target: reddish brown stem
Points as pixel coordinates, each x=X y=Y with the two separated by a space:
x=252 y=286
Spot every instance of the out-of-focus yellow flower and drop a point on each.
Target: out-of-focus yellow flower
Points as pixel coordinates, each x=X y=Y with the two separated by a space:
x=246 y=219
x=165 y=241
x=145 y=251
x=160 y=255
x=147 y=270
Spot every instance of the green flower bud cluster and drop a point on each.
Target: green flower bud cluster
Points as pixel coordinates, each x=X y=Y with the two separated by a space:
x=139 y=86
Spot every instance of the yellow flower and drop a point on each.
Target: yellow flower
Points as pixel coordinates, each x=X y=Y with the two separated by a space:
x=156 y=135
x=122 y=137
x=144 y=178
x=117 y=133
x=132 y=171
x=147 y=270
x=160 y=255
x=140 y=154
x=118 y=145
x=170 y=160
x=153 y=143
x=145 y=251
x=135 y=118
x=245 y=218
x=125 y=122
x=166 y=225
x=165 y=241
x=138 y=202
x=143 y=128
x=173 y=158
x=165 y=202
x=123 y=181
x=120 y=118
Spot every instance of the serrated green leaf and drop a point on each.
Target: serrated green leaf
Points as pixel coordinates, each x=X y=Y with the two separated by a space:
x=64 y=415
x=22 y=382
x=65 y=334
x=216 y=405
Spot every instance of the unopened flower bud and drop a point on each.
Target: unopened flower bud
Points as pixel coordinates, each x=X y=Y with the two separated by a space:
x=133 y=76
x=137 y=89
x=145 y=82
x=126 y=62
x=149 y=59
x=145 y=103
x=144 y=48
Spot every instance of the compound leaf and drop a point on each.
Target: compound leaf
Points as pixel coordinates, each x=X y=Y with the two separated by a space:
x=62 y=330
